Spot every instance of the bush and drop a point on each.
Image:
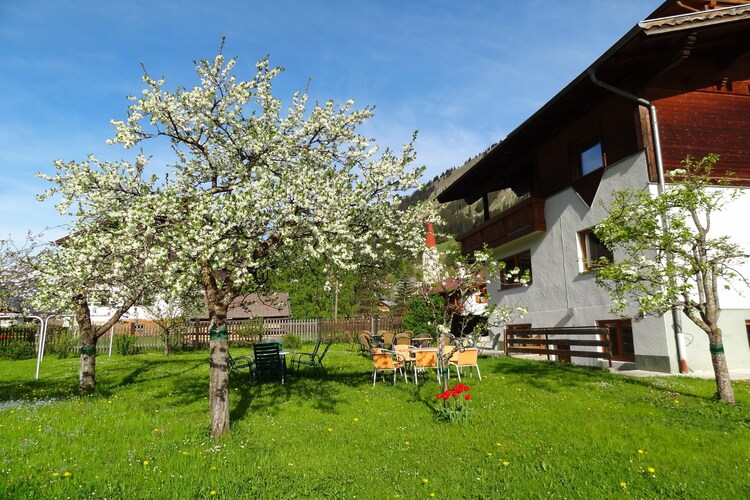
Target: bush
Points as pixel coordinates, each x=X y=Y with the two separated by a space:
x=125 y=344
x=248 y=332
x=17 y=349
x=291 y=341
x=421 y=312
x=63 y=344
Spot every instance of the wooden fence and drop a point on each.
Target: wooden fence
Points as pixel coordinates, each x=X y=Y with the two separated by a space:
x=252 y=331
x=538 y=341
x=196 y=334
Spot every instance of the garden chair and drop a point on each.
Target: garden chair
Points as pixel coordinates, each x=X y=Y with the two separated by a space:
x=463 y=359
x=403 y=338
x=236 y=364
x=387 y=339
x=425 y=359
x=422 y=340
x=312 y=359
x=268 y=360
x=385 y=361
x=306 y=355
x=365 y=343
x=494 y=343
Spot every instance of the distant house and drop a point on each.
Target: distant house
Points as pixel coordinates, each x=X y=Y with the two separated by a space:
x=275 y=306
x=386 y=305
x=677 y=83
x=10 y=317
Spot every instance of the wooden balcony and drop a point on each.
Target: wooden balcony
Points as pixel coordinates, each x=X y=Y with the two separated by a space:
x=526 y=217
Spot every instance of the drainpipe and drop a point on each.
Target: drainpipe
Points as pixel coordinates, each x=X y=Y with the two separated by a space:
x=676 y=317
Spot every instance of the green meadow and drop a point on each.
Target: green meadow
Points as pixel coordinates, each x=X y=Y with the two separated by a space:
x=537 y=430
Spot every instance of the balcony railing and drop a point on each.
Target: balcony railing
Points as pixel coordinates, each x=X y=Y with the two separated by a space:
x=524 y=218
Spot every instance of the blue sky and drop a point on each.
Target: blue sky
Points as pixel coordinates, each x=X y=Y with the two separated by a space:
x=464 y=74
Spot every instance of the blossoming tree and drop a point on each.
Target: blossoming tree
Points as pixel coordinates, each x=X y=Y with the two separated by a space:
x=466 y=310
x=17 y=278
x=254 y=187
x=667 y=258
x=109 y=257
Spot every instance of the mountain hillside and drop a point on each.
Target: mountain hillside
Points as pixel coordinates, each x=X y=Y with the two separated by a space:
x=458 y=217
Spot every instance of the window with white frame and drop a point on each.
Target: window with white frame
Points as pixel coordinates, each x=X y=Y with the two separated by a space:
x=592 y=250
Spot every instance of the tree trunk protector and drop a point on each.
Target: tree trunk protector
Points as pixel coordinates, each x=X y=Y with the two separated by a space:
x=221 y=333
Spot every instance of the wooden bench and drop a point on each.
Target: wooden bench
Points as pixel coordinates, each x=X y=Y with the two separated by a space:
x=538 y=341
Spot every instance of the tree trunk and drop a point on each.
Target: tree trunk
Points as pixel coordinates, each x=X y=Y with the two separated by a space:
x=87 y=370
x=724 y=389
x=219 y=374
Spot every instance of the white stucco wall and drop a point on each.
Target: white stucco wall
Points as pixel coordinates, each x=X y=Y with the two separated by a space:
x=562 y=295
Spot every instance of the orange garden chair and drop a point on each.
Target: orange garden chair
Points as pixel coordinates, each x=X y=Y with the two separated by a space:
x=463 y=359
x=425 y=359
x=385 y=361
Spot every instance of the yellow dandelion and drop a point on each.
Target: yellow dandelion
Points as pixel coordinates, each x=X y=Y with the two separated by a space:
x=407 y=442
x=676 y=401
x=489 y=454
x=623 y=485
x=498 y=444
x=506 y=463
x=213 y=467
x=651 y=470
x=145 y=462
x=55 y=474
x=67 y=474
x=184 y=453
x=641 y=452
x=432 y=494
x=109 y=401
x=356 y=419
x=330 y=429
x=425 y=480
x=213 y=492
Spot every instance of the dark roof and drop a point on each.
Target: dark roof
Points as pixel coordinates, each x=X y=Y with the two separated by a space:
x=257 y=306
x=649 y=49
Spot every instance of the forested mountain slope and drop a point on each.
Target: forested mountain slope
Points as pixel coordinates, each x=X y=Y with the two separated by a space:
x=458 y=217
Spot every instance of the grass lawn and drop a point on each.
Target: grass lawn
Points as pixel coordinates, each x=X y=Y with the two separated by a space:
x=537 y=430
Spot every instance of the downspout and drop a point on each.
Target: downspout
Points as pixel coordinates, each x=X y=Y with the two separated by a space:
x=676 y=317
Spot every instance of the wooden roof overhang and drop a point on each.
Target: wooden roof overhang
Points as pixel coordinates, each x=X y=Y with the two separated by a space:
x=650 y=49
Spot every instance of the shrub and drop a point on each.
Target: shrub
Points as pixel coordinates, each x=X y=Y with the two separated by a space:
x=291 y=341
x=421 y=312
x=17 y=349
x=125 y=344
x=63 y=344
x=248 y=332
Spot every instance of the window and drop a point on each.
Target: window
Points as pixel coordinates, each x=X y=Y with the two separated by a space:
x=592 y=249
x=747 y=329
x=481 y=297
x=517 y=271
x=590 y=157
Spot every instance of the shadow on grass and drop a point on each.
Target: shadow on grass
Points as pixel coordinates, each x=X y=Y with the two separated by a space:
x=547 y=375
x=322 y=390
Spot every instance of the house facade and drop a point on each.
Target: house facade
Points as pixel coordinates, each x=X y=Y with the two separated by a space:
x=677 y=84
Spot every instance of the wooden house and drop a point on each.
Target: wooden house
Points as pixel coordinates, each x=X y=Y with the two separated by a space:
x=677 y=83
